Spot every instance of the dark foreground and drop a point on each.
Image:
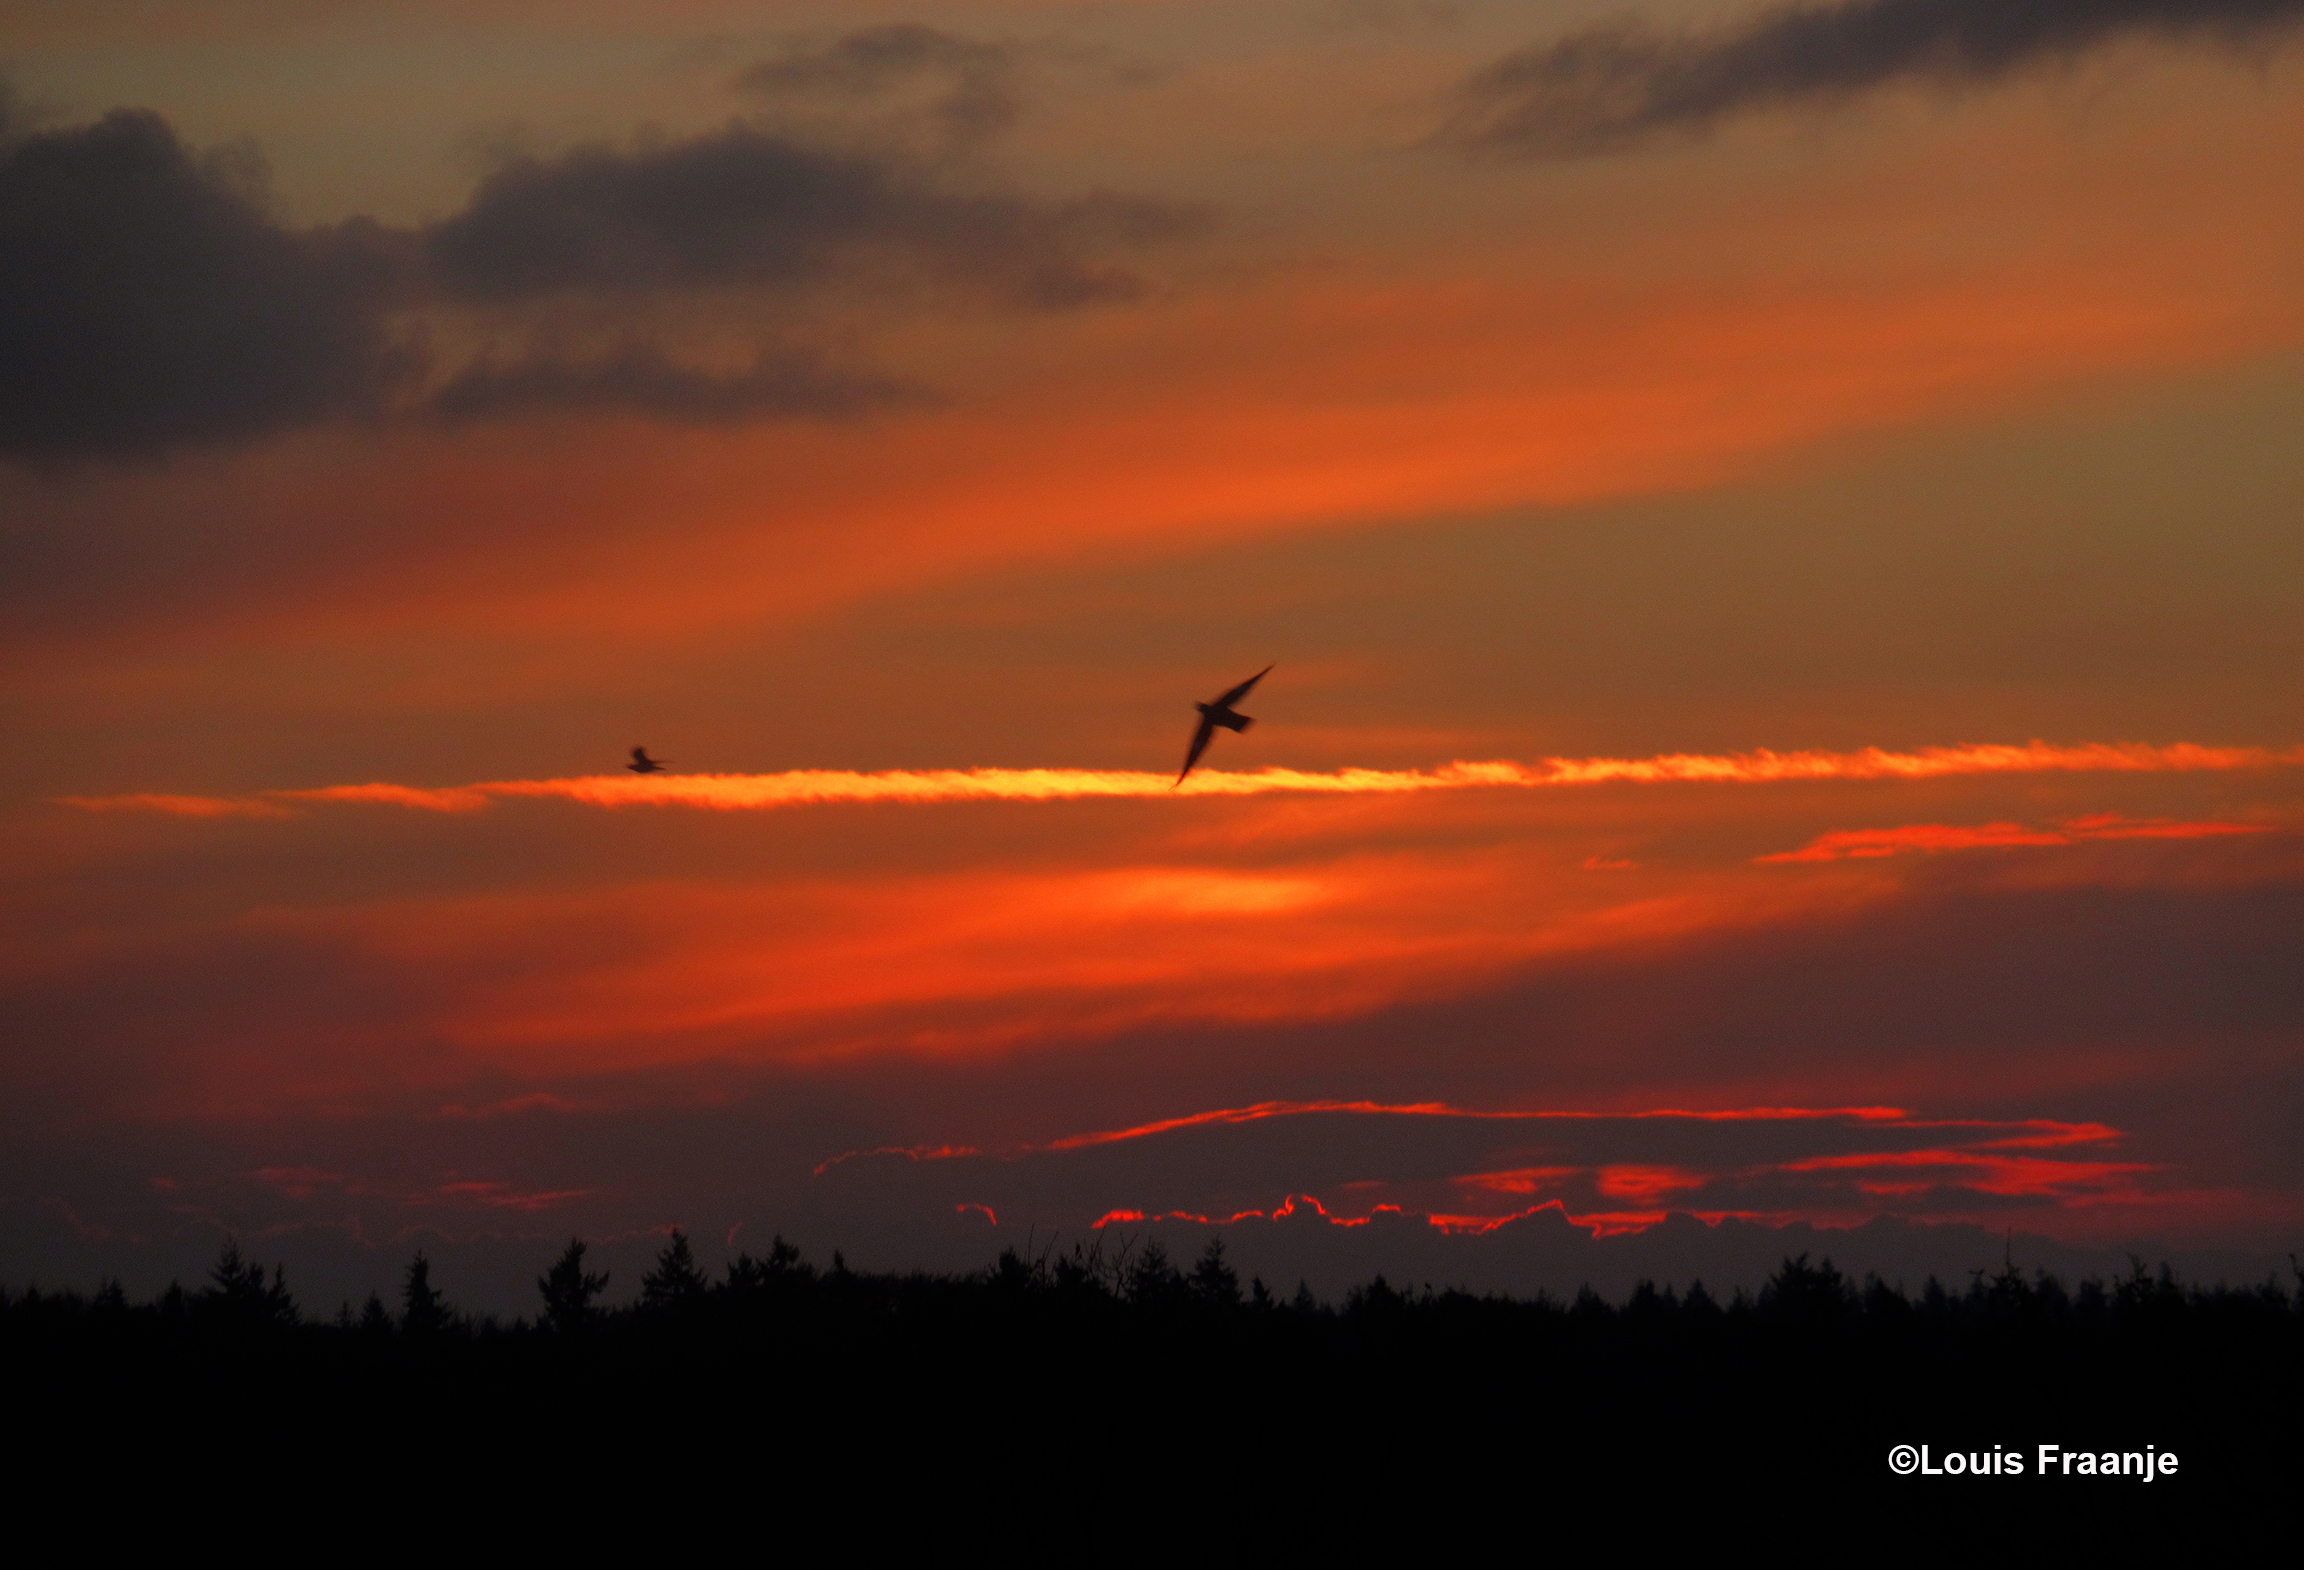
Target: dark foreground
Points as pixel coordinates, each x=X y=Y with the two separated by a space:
x=1071 y=1387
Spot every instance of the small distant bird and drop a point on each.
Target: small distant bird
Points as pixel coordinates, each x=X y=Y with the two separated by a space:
x=1220 y=712
x=643 y=764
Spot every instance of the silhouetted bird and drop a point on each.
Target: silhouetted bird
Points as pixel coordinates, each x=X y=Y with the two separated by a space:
x=1220 y=712
x=643 y=764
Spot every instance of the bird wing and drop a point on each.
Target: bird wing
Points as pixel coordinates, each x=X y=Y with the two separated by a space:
x=1199 y=745
x=1241 y=691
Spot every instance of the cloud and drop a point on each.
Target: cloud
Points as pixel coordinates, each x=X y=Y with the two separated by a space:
x=748 y=208
x=1330 y=1191
x=754 y=792
x=182 y=806
x=1614 y=87
x=148 y=301
x=344 y=1201
x=2099 y=1030
x=1863 y=844
x=1478 y=1170
x=972 y=83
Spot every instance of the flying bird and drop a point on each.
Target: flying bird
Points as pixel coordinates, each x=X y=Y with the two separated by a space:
x=643 y=764
x=1219 y=712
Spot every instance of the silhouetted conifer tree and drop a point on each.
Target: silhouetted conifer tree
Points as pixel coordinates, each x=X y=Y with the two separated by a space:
x=423 y=1314
x=1807 y=1294
x=1213 y=1281
x=569 y=1289
x=675 y=1281
x=238 y=1291
x=2141 y=1297
x=1934 y=1300
x=1376 y=1298
x=1647 y=1306
x=1152 y=1279
x=746 y=1274
x=375 y=1319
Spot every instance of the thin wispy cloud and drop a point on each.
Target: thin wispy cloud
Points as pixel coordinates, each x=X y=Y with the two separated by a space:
x=1911 y=838
x=1614 y=87
x=806 y=787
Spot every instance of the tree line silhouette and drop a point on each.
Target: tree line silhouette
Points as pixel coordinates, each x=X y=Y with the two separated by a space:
x=1137 y=1283
x=1132 y=1354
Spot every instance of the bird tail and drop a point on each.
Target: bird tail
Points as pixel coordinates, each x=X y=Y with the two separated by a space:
x=1236 y=722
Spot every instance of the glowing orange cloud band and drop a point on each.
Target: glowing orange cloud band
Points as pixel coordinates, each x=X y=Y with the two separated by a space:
x=1864 y=844
x=801 y=787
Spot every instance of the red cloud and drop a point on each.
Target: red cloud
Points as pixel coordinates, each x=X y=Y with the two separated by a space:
x=1858 y=844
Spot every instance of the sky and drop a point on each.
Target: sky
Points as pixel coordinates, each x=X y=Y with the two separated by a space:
x=1776 y=530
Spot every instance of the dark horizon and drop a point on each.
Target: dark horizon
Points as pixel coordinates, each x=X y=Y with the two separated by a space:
x=2132 y=1382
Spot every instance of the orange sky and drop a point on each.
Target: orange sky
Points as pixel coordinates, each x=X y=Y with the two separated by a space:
x=1881 y=508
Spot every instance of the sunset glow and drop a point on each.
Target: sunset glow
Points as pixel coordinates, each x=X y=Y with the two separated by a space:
x=606 y=605
x=755 y=792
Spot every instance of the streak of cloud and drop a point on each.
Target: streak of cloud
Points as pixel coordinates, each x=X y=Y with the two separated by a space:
x=184 y=806
x=1863 y=844
x=802 y=787
x=1471 y=1171
x=1441 y=1110
x=1614 y=87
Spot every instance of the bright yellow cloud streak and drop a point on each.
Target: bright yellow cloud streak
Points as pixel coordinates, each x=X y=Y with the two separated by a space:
x=802 y=787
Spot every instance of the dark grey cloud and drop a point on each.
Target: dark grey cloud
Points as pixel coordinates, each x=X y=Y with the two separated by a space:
x=1616 y=86
x=148 y=300
x=972 y=83
x=747 y=208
